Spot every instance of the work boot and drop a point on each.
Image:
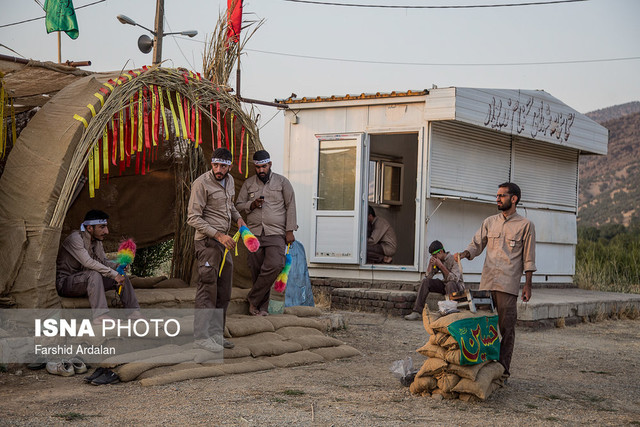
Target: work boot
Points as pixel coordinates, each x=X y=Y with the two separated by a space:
x=208 y=344
x=413 y=316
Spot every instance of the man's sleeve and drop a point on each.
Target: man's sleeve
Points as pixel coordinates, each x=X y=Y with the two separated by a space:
x=454 y=273
x=197 y=202
x=529 y=248
x=479 y=241
x=77 y=250
x=377 y=233
x=290 y=206
x=243 y=204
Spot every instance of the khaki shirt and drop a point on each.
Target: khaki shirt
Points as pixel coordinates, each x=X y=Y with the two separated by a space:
x=79 y=253
x=211 y=206
x=278 y=212
x=453 y=282
x=511 y=250
x=384 y=234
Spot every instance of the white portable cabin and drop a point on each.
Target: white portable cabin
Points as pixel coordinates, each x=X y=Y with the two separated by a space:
x=430 y=162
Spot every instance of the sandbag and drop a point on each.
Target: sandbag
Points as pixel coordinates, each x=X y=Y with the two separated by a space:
x=181 y=375
x=446 y=382
x=468 y=371
x=432 y=350
x=445 y=395
x=441 y=337
x=482 y=387
x=161 y=370
x=244 y=367
x=146 y=282
x=283 y=320
x=297 y=331
x=248 y=325
x=422 y=384
x=295 y=359
x=174 y=283
x=450 y=343
x=442 y=323
x=432 y=367
x=303 y=311
x=340 y=352
x=274 y=348
x=316 y=341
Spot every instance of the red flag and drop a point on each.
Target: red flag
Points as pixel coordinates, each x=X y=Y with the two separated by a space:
x=234 y=20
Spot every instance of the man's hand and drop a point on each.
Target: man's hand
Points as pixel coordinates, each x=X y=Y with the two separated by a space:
x=432 y=263
x=241 y=223
x=227 y=241
x=464 y=254
x=526 y=290
x=289 y=238
x=119 y=279
x=256 y=204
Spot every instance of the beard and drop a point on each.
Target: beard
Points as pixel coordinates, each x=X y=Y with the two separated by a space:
x=505 y=205
x=220 y=176
x=264 y=176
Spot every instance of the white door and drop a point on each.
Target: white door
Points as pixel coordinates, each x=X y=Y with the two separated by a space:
x=337 y=199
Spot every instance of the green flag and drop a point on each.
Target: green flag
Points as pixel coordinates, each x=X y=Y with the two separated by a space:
x=61 y=17
x=477 y=338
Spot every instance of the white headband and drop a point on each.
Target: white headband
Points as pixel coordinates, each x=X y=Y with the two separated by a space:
x=221 y=161
x=92 y=222
x=261 y=162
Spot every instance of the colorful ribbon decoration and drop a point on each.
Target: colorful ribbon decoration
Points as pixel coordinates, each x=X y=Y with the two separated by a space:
x=250 y=241
x=124 y=257
x=281 y=281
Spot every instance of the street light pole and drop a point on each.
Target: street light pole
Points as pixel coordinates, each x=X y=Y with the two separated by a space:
x=159 y=32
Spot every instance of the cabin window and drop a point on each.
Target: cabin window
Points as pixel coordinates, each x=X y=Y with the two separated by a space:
x=385 y=182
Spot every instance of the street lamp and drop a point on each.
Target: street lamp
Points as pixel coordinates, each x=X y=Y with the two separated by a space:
x=145 y=43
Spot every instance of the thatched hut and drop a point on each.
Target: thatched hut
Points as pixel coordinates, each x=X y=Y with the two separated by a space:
x=129 y=143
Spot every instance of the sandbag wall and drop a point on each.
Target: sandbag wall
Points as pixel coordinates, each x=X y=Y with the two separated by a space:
x=443 y=372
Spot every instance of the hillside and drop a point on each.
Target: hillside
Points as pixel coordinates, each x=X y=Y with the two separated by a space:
x=610 y=185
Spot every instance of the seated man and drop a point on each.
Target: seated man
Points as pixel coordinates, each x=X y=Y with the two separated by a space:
x=83 y=270
x=440 y=262
x=381 y=239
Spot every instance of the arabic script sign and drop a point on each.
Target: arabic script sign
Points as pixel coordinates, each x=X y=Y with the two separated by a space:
x=530 y=118
x=477 y=338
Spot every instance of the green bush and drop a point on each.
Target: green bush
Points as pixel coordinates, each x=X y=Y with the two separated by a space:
x=153 y=260
x=608 y=258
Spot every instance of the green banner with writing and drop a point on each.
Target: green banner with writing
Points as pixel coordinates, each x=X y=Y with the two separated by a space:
x=477 y=338
x=61 y=17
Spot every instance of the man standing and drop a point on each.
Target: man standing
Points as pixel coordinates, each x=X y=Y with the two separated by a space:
x=210 y=212
x=268 y=201
x=381 y=239
x=83 y=270
x=440 y=262
x=510 y=240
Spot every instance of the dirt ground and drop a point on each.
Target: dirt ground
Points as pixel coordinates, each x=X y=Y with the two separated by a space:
x=579 y=375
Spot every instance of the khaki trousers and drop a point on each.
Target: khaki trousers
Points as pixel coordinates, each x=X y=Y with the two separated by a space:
x=265 y=265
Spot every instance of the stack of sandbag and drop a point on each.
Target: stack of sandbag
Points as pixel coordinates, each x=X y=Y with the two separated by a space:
x=470 y=375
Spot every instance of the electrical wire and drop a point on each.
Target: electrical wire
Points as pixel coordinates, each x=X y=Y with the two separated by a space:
x=42 y=17
x=435 y=64
x=536 y=3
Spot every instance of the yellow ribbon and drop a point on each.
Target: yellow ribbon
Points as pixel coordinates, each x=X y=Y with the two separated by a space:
x=100 y=97
x=140 y=122
x=185 y=134
x=81 y=119
x=173 y=114
x=153 y=117
x=236 y=237
x=96 y=165
x=109 y=86
x=92 y=191
x=232 y=140
x=93 y=110
x=121 y=134
x=131 y=105
x=105 y=148
x=164 y=116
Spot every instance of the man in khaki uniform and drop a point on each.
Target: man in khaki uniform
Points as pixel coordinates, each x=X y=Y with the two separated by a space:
x=268 y=201
x=82 y=268
x=510 y=240
x=381 y=239
x=210 y=212
x=440 y=262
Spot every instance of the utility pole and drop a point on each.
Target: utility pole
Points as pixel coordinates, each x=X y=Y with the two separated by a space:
x=159 y=32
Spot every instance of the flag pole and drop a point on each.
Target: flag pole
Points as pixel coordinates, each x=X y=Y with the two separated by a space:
x=59 y=48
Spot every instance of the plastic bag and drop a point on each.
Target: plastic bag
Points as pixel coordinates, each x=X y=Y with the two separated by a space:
x=447 y=306
x=404 y=370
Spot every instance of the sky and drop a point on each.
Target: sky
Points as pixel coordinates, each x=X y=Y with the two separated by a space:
x=319 y=50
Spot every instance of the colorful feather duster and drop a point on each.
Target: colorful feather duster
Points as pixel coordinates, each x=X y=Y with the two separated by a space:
x=126 y=254
x=250 y=241
x=281 y=280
